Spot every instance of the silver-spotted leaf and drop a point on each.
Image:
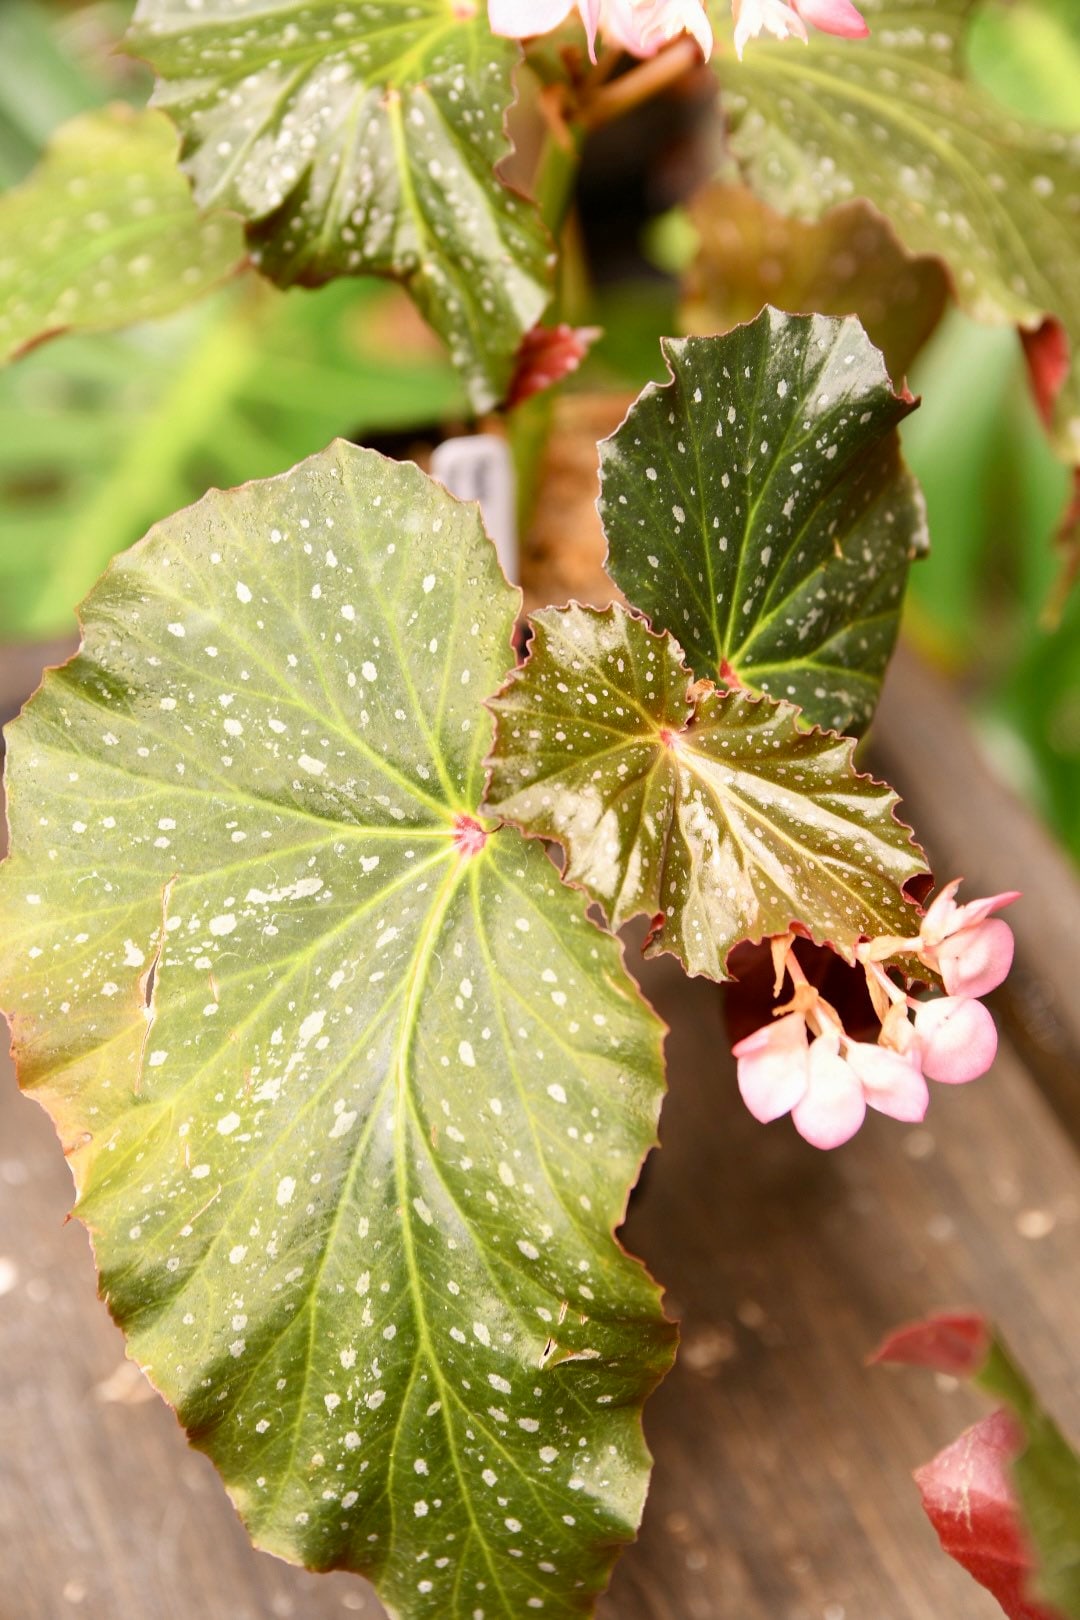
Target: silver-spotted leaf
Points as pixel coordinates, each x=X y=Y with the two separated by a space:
x=895 y=119
x=715 y=814
x=362 y=138
x=759 y=508
x=352 y=1090
x=105 y=232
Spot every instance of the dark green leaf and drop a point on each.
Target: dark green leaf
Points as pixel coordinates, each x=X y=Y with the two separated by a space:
x=757 y=506
x=363 y=138
x=715 y=815
x=353 y=1163
x=894 y=119
x=105 y=233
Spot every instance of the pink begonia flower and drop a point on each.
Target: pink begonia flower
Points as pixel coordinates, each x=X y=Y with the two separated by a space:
x=957 y=1039
x=834 y=1105
x=773 y=1067
x=971 y=950
x=641 y=27
x=788 y=18
x=827 y=1084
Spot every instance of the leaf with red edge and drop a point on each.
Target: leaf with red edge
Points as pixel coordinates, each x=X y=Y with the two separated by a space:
x=956 y=1344
x=1005 y=1498
x=715 y=813
x=969 y=1500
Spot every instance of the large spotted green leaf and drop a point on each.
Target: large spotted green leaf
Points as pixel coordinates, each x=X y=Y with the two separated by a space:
x=362 y=137
x=895 y=119
x=352 y=1089
x=712 y=812
x=758 y=507
x=105 y=232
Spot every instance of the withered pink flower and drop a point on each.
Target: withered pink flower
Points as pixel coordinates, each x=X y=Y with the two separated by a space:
x=789 y=18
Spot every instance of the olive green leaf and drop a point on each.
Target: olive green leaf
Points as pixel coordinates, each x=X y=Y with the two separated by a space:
x=895 y=119
x=352 y=1089
x=714 y=813
x=105 y=232
x=758 y=507
x=362 y=138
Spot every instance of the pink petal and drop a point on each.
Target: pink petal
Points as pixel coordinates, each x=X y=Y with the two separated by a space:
x=957 y=1039
x=643 y=26
x=834 y=1106
x=975 y=960
x=833 y=17
x=772 y=1067
x=521 y=19
x=892 y=1084
x=941 y=913
x=975 y=910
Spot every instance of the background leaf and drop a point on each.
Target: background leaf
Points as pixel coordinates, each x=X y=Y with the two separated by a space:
x=847 y=263
x=757 y=506
x=105 y=233
x=895 y=119
x=353 y=1173
x=714 y=814
x=362 y=138
x=102 y=436
x=1010 y=1485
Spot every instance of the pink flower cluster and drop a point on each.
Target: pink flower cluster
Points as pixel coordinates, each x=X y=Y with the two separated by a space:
x=643 y=27
x=805 y=1063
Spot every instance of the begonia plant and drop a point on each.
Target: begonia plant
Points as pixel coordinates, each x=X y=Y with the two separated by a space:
x=319 y=850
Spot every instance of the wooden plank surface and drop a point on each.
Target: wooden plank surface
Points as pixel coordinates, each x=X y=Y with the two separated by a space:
x=781 y=1488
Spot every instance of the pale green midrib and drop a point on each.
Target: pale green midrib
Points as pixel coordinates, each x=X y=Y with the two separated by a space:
x=288 y=697
x=120 y=239
x=436 y=752
x=344 y=730
x=840 y=475
x=410 y=1019
x=951 y=154
x=154 y=1109
x=725 y=793
x=494 y=980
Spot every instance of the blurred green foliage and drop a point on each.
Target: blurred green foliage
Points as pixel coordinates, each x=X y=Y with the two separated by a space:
x=102 y=436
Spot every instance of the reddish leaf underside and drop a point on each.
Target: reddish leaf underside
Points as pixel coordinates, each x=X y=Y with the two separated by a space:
x=968 y=1498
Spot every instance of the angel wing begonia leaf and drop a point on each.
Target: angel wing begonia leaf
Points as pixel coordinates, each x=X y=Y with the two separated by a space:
x=758 y=507
x=716 y=815
x=297 y=1012
x=362 y=138
x=105 y=232
x=895 y=119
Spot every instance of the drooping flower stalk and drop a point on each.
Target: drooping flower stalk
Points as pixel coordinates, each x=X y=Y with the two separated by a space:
x=806 y=1064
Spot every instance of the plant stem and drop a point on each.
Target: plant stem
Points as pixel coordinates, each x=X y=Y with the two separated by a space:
x=620 y=96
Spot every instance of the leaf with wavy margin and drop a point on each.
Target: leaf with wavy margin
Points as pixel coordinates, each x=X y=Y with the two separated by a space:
x=352 y=1090
x=758 y=507
x=104 y=233
x=895 y=119
x=362 y=138
x=713 y=813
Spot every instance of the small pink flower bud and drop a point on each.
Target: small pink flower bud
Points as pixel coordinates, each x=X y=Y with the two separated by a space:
x=957 y=1039
x=772 y=1067
x=972 y=952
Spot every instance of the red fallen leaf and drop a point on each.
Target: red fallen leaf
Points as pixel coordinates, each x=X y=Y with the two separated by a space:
x=956 y=1343
x=546 y=355
x=968 y=1499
